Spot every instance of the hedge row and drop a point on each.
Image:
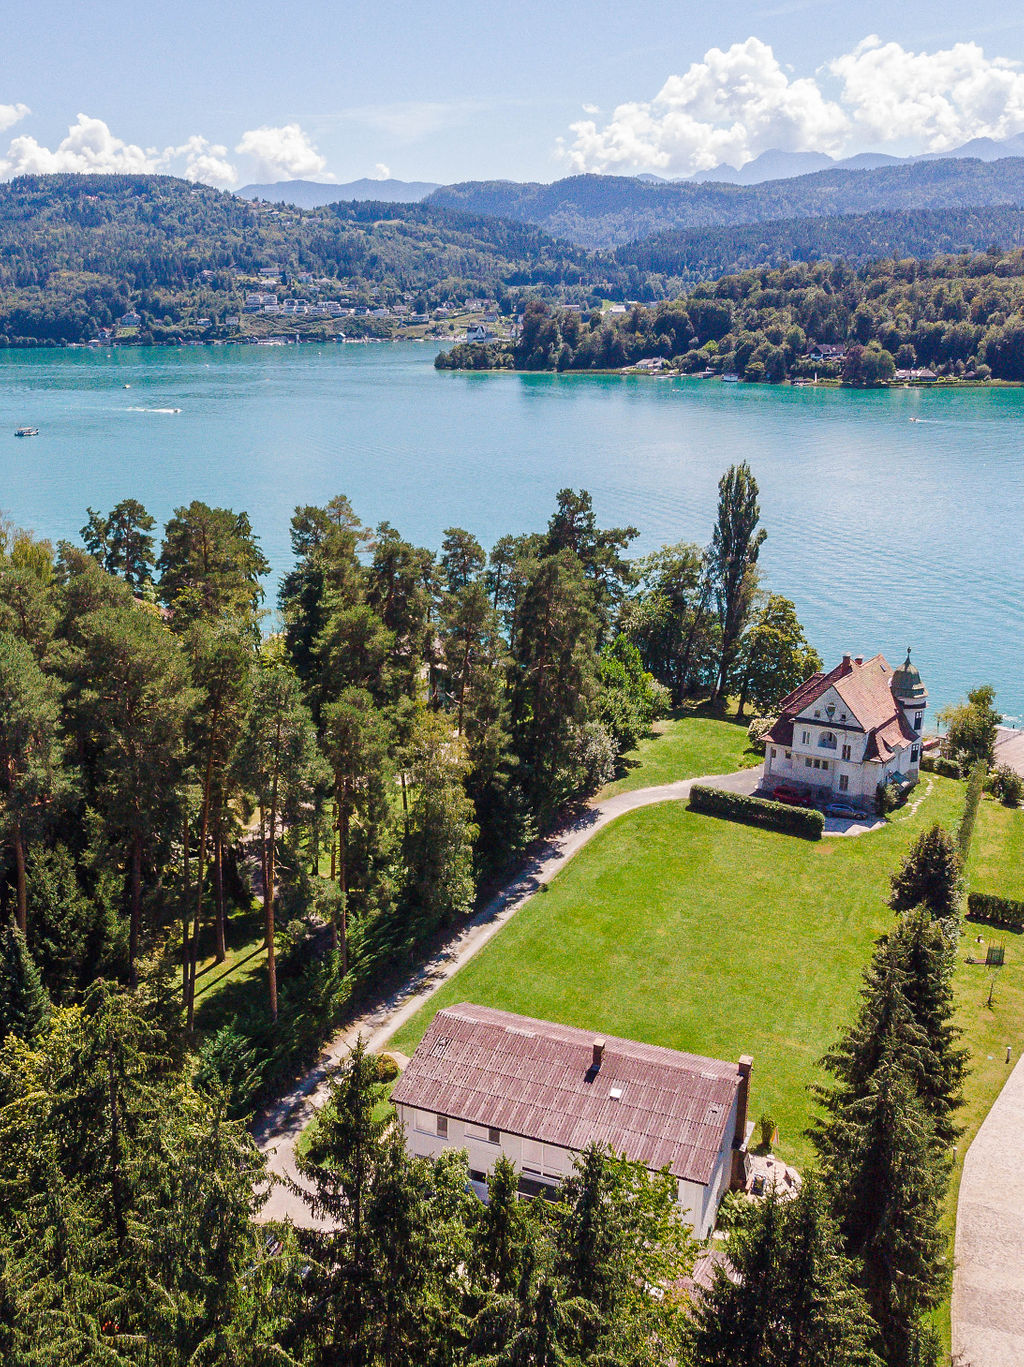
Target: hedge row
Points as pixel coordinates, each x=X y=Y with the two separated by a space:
x=975 y=788
x=757 y=811
x=939 y=764
x=1001 y=911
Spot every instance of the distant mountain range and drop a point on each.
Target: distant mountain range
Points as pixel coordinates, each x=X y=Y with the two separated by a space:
x=311 y=194
x=607 y=211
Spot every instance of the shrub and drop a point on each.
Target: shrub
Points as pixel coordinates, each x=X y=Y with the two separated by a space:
x=946 y=768
x=757 y=731
x=1001 y=911
x=1007 y=785
x=887 y=798
x=385 y=1068
x=757 y=811
x=975 y=788
x=766 y=1130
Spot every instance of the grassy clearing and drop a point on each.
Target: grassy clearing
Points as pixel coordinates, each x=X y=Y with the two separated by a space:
x=688 y=744
x=704 y=935
x=996 y=862
x=221 y=989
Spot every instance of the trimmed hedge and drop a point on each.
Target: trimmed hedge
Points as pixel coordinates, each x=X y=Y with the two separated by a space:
x=757 y=811
x=1001 y=911
x=939 y=764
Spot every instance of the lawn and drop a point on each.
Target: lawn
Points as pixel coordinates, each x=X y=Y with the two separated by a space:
x=222 y=989
x=996 y=862
x=689 y=744
x=704 y=935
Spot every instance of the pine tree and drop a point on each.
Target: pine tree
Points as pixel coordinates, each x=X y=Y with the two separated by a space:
x=24 y=1005
x=886 y=1172
x=930 y=876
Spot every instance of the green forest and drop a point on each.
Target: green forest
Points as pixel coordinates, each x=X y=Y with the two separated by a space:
x=601 y=211
x=79 y=252
x=961 y=316
x=76 y=252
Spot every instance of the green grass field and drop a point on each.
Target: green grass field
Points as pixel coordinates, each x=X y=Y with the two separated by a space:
x=687 y=745
x=704 y=935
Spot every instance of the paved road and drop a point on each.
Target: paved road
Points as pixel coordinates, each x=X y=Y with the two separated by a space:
x=1010 y=748
x=278 y=1128
x=988 y=1278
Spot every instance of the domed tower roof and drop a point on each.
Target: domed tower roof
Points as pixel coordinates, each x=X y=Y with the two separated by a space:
x=906 y=682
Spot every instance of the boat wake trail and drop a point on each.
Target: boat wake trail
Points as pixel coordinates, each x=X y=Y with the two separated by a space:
x=152 y=410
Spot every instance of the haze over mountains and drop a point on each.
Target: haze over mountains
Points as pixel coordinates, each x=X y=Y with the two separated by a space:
x=311 y=194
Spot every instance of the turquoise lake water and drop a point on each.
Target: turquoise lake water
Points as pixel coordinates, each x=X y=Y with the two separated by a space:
x=885 y=532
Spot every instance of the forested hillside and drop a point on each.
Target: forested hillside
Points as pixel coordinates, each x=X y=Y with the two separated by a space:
x=77 y=251
x=959 y=315
x=603 y=211
x=671 y=260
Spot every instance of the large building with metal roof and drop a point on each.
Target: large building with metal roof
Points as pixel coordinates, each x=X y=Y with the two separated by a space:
x=496 y=1083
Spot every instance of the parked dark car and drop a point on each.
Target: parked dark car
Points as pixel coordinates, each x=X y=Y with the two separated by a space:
x=793 y=797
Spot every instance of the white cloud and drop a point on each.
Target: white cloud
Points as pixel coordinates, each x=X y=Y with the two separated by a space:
x=281 y=153
x=10 y=114
x=734 y=104
x=728 y=107
x=89 y=146
x=203 y=161
x=381 y=172
x=937 y=99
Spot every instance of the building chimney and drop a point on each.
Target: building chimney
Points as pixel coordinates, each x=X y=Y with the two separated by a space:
x=598 y=1052
x=846 y=661
x=743 y=1067
x=858 y=659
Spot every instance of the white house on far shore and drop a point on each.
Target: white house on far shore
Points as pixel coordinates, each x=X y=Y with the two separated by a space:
x=844 y=732
x=495 y=1084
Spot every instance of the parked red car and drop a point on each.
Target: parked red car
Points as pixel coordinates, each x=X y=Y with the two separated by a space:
x=791 y=796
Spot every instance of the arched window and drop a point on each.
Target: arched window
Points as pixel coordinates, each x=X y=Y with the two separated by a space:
x=827 y=740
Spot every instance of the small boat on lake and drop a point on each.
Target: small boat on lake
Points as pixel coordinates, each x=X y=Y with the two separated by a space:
x=26 y=432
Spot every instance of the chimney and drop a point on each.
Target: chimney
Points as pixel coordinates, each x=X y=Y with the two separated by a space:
x=846 y=661
x=743 y=1067
x=858 y=659
x=598 y=1052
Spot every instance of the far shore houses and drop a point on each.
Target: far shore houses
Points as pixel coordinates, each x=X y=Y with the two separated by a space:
x=845 y=732
x=495 y=1083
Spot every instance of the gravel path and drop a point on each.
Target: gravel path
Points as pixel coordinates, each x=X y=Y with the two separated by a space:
x=277 y=1129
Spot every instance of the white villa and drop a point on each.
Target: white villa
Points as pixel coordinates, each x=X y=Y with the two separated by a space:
x=844 y=732
x=495 y=1083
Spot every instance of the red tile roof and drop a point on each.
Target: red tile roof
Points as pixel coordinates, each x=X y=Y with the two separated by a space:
x=865 y=690
x=534 y=1078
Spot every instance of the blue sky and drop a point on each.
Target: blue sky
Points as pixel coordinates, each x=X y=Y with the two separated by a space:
x=229 y=92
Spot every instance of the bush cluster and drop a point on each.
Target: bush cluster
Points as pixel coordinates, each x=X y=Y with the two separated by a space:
x=1001 y=911
x=757 y=811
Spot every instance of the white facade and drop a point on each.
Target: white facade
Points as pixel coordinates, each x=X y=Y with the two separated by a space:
x=842 y=738
x=428 y=1134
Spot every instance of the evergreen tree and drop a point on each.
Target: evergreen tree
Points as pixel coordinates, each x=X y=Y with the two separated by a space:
x=210 y=566
x=789 y=1298
x=440 y=832
x=130 y=703
x=24 y=1005
x=573 y=528
x=553 y=681
x=886 y=1172
x=356 y=748
x=930 y=876
x=30 y=754
x=122 y=542
x=278 y=761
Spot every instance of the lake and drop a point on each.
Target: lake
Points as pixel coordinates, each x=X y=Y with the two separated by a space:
x=885 y=531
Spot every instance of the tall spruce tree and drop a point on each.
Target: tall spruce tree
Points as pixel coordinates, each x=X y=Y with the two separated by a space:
x=24 y=1005
x=930 y=875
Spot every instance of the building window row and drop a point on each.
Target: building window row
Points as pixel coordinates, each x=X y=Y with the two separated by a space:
x=816 y=763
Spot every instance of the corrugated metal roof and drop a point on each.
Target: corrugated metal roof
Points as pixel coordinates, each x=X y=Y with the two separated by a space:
x=535 y=1078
